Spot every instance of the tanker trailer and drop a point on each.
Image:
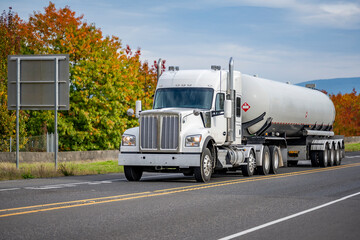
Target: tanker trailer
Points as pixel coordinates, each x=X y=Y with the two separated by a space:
x=303 y=117
x=205 y=121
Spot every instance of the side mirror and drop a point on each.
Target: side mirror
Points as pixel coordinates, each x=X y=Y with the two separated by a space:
x=227 y=109
x=138 y=109
x=130 y=112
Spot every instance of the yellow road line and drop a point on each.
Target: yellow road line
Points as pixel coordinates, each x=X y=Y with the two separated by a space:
x=75 y=201
x=118 y=198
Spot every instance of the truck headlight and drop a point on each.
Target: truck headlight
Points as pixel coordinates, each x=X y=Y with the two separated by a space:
x=193 y=141
x=128 y=140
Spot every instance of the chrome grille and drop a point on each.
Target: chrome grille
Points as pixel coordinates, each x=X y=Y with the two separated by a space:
x=170 y=132
x=148 y=132
x=154 y=137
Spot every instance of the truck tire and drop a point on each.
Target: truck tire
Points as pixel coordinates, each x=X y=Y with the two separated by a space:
x=337 y=156
x=314 y=157
x=324 y=157
x=266 y=161
x=275 y=158
x=249 y=169
x=203 y=173
x=133 y=173
x=331 y=156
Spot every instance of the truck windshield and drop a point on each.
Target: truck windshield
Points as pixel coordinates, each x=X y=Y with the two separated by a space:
x=200 y=98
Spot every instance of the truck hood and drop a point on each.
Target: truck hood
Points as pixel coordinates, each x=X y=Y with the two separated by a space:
x=182 y=111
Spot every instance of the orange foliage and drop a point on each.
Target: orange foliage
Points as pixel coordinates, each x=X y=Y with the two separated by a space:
x=347 y=120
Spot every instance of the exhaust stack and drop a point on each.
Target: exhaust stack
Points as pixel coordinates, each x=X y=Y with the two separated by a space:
x=231 y=96
x=159 y=66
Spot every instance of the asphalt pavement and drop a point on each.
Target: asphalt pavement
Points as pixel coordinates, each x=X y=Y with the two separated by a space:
x=297 y=203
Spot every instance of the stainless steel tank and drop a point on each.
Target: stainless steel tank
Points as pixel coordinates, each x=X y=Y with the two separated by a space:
x=273 y=107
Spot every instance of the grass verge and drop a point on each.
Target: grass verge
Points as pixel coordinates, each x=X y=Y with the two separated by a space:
x=352 y=147
x=8 y=171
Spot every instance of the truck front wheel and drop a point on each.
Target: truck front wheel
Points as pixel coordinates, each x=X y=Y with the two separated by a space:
x=203 y=173
x=133 y=173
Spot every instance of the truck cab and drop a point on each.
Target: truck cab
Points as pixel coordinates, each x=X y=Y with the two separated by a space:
x=187 y=123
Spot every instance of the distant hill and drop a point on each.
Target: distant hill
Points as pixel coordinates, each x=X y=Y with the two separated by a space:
x=336 y=85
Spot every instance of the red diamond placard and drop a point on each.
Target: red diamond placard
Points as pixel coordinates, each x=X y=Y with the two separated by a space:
x=245 y=106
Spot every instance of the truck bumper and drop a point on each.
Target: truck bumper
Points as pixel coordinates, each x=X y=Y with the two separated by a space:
x=163 y=160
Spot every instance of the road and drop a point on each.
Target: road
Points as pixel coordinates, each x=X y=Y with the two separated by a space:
x=298 y=203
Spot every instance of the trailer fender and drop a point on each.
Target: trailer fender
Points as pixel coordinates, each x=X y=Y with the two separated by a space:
x=339 y=144
x=320 y=145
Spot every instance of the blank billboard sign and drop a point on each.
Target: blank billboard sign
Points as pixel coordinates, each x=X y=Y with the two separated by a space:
x=37 y=76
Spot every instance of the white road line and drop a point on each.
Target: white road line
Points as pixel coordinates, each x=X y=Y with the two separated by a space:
x=66 y=185
x=287 y=218
x=356 y=156
x=8 y=189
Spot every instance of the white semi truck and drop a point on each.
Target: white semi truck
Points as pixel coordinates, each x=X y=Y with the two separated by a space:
x=205 y=121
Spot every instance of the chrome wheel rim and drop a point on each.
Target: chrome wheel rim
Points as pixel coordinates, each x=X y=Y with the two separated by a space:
x=267 y=161
x=337 y=156
x=276 y=161
x=207 y=165
x=251 y=162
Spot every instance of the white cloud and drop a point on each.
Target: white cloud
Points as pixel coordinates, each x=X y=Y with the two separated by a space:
x=345 y=15
x=339 y=15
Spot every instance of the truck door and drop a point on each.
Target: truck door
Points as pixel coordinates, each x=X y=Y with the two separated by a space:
x=218 y=119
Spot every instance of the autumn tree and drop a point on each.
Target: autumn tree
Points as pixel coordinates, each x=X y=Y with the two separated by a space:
x=347 y=120
x=10 y=44
x=105 y=80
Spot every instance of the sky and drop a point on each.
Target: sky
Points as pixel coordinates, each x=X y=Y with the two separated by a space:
x=283 y=40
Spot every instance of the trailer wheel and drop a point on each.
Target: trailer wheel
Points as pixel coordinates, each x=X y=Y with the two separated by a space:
x=133 y=173
x=203 y=173
x=331 y=156
x=324 y=156
x=275 y=156
x=266 y=159
x=337 y=156
x=314 y=157
x=249 y=169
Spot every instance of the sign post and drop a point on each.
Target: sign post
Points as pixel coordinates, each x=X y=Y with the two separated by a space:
x=17 y=111
x=38 y=82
